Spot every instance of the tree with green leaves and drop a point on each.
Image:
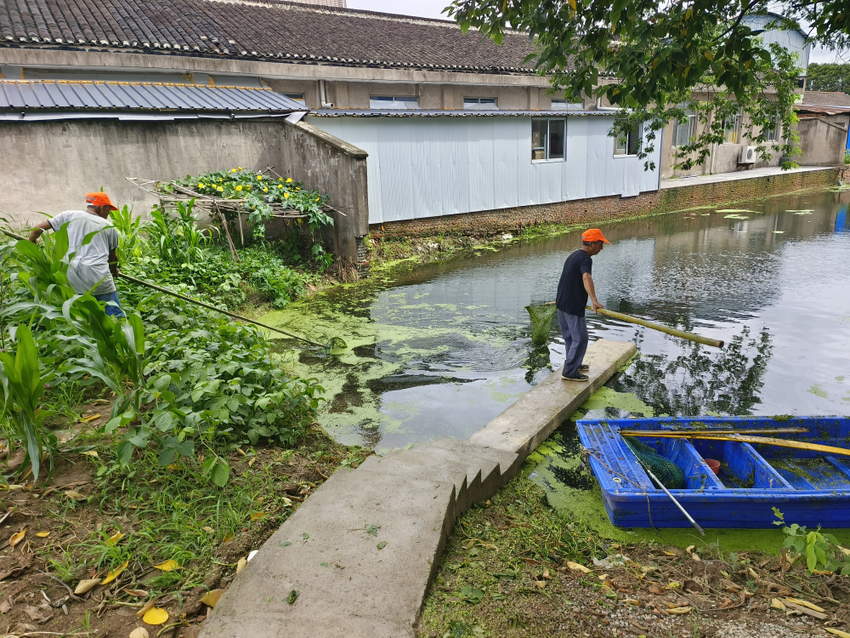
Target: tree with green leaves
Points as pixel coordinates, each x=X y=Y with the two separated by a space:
x=661 y=60
x=828 y=77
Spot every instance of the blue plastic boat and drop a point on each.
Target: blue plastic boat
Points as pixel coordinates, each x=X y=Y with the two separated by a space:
x=809 y=488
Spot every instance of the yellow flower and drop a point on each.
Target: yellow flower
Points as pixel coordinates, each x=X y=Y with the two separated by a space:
x=288 y=180
x=260 y=177
x=280 y=185
x=201 y=185
x=280 y=179
x=220 y=189
x=286 y=194
x=298 y=188
x=249 y=187
x=317 y=199
x=232 y=170
x=220 y=179
x=240 y=168
x=266 y=190
x=239 y=188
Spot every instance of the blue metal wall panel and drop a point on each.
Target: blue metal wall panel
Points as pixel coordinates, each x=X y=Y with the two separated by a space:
x=426 y=167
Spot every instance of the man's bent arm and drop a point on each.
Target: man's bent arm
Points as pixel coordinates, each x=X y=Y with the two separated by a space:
x=35 y=233
x=591 y=291
x=113 y=262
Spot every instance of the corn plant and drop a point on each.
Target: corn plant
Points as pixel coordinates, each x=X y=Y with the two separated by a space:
x=177 y=240
x=115 y=349
x=130 y=240
x=22 y=385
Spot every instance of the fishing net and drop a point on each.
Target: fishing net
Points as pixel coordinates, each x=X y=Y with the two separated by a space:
x=541 y=323
x=664 y=469
x=336 y=345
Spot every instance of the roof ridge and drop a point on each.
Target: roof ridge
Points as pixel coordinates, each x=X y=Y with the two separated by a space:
x=132 y=83
x=364 y=13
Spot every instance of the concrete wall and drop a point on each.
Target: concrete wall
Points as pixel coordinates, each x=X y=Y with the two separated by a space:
x=723 y=158
x=49 y=166
x=355 y=95
x=822 y=140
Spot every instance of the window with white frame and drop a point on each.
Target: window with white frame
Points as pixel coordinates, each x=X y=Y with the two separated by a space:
x=548 y=139
x=480 y=103
x=628 y=143
x=771 y=131
x=685 y=130
x=731 y=128
x=393 y=102
x=297 y=97
x=563 y=105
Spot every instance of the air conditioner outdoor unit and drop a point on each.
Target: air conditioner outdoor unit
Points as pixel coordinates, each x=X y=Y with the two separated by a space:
x=748 y=155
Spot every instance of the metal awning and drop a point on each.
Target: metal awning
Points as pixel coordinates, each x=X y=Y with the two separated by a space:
x=99 y=96
x=453 y=113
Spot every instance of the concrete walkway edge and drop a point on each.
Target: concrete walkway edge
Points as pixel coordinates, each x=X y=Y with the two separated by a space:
x=362 y=550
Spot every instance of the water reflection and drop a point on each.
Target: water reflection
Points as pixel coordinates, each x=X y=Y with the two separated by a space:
x=698 y=382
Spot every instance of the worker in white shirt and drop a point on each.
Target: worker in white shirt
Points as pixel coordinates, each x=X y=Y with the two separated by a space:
x=94 y=265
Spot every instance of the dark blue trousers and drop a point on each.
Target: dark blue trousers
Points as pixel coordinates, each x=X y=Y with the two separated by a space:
x=574 y=330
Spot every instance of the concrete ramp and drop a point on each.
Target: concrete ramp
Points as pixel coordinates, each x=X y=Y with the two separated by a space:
x=361 y=551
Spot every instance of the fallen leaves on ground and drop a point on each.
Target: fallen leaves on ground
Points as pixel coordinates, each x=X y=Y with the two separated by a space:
x=155 y=616
x=114 y=573
x=168 y=566
x=211 y=597
x=17 y=538
x=86 y=585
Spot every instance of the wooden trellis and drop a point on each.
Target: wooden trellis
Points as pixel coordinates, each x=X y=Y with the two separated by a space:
x=216 y=207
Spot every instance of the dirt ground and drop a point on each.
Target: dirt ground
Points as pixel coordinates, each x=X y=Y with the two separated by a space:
x=514 y=569
x=41 y=568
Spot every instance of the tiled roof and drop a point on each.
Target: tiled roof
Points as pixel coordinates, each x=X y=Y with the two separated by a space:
x=138 y=96
x=274 y=29
x=825 y=98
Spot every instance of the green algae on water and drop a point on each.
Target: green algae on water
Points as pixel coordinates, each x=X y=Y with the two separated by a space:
x=818 y=391
x=606 y=397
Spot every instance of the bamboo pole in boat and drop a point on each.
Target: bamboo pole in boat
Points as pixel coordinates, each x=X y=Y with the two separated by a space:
x=715 y=432
x=766 y=440
x=717 y=343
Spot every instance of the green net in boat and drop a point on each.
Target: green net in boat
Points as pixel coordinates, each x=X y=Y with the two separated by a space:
x=664 y=469
x=541 y=323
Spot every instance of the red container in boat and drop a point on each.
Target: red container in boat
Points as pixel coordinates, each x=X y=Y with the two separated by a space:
x=714 y=465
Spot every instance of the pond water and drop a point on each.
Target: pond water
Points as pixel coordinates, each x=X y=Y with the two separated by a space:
x=445 y=348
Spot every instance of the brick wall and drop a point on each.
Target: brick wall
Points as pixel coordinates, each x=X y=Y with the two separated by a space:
x=600 y=209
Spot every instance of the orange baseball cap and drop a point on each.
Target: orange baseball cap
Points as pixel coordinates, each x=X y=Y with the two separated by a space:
x=100 y=199
x=594 y=234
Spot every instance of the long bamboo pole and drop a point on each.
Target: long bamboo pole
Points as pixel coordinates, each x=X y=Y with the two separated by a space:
x=767 y=440
x=717 y=343
x=713 y=432
x=210 y=307
x=193 y=301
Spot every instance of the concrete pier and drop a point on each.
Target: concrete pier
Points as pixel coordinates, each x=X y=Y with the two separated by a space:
x=361 y=551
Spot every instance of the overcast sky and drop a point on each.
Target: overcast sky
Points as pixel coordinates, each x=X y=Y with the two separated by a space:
x=434 y=8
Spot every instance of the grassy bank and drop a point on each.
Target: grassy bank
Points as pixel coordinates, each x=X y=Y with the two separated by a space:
x=515 y=567
x=144 y=457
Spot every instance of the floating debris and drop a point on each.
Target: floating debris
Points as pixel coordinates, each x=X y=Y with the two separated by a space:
x=736 y=216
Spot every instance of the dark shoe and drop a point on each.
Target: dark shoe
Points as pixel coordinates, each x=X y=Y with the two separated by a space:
x=578 y=377
x=583 y=368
